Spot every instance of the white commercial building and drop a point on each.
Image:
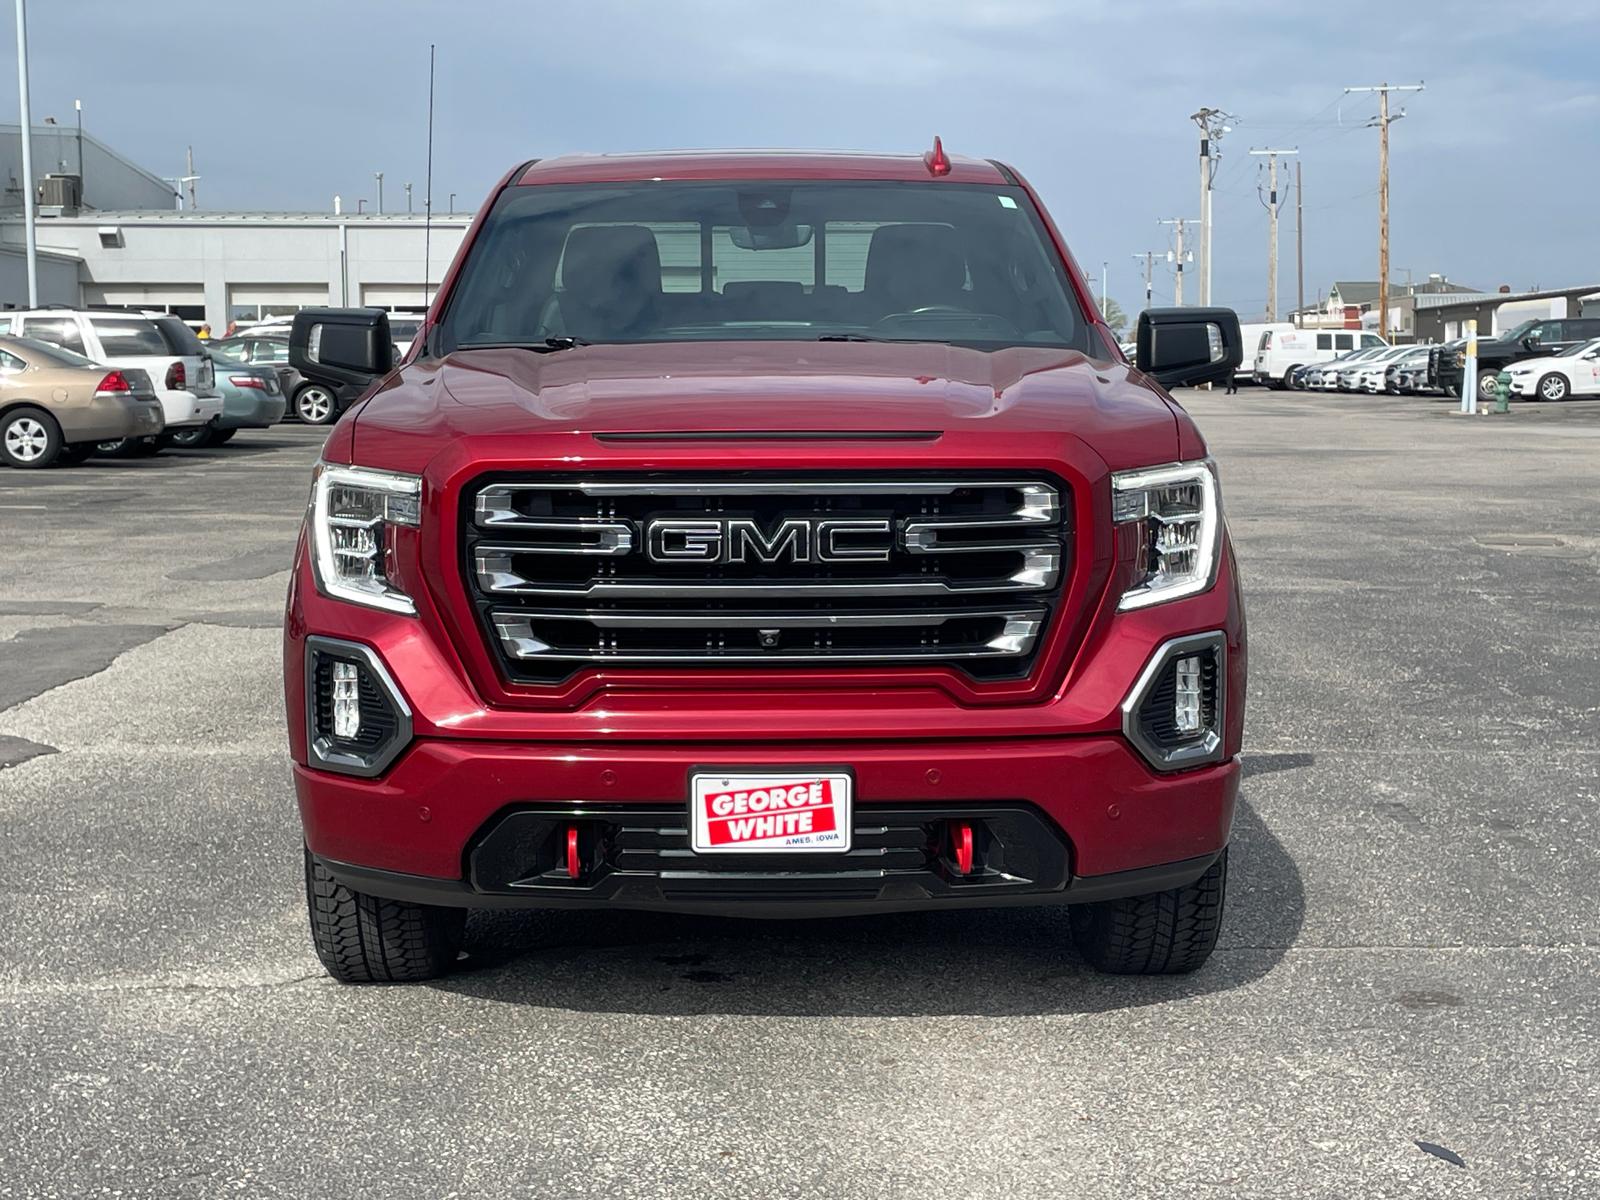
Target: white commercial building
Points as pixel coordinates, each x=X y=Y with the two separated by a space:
x=223 y=267
x=124 y=244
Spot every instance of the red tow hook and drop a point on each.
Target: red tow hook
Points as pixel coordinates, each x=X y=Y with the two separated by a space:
x=961 y=837
x=574 y=864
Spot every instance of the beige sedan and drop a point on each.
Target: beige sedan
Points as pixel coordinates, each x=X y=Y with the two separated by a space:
x=55 y=406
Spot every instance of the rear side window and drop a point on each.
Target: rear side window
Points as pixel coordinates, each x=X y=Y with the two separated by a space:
x=55 y=331
x=10 y=364
x=1343 y=341
x=180 y=338
x=228 y=352
x=130 y=338
x=1324 y=341
x=269 y=352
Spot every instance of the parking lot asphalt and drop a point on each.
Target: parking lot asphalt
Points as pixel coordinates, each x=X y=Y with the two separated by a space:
x=1408 y=959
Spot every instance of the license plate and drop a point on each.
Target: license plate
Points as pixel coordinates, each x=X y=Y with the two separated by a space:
x=753 y=811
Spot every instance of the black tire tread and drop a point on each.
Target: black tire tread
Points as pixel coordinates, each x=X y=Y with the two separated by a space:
x=1163 y=933
x=370 y=939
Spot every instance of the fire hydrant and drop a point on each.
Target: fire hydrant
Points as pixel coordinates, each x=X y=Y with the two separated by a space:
x=1502 y=392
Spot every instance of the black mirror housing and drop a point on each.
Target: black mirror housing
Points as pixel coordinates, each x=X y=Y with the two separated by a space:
x=1178 y=346
x=341 y=345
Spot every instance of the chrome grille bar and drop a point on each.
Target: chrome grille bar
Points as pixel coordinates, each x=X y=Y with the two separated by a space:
x=724 y=569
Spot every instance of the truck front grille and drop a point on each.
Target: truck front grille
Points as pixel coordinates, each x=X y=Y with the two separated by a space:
x=752 y=569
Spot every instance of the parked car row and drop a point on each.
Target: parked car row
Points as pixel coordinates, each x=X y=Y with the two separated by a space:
x=312 y=402
x=137 y=359
x=1546 y=359
x=1542 y=338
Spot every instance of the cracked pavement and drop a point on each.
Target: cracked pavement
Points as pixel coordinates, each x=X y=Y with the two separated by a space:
x=1408 y=956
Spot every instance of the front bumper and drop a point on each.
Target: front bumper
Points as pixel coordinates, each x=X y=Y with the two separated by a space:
x=1062 y=821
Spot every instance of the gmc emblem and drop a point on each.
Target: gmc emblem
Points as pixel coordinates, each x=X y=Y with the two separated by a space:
x=793 y=539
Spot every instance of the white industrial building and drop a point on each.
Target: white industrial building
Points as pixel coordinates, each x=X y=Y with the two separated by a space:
x=133 y=249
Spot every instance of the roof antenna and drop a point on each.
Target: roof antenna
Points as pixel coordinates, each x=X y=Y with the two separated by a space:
x=938 y=162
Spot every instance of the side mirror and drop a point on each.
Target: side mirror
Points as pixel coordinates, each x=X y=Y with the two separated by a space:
x=1189 y=345
x=341 y=345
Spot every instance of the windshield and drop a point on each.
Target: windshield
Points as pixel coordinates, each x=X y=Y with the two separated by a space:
x=1520 y=332
x=668 y=262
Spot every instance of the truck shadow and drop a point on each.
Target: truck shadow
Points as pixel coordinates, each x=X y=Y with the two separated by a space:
x=999 y=962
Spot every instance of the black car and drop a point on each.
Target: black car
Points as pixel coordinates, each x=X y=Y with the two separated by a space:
x=1531 y=339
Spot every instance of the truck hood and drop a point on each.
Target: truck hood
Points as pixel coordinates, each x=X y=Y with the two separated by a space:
x=753 y=387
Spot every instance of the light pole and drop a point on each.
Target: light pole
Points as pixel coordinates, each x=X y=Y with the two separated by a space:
x=408 y=197
x=27 y=156
x=378 y=175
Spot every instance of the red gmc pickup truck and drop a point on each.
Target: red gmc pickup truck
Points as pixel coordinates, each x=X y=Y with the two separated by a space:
x=764 y=534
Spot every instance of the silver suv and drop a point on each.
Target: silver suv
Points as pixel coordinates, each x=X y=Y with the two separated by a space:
x=159 y=344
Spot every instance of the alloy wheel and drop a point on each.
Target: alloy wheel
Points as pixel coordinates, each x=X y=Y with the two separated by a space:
x=314 y=406
x=1553 y=387
x=26 y=439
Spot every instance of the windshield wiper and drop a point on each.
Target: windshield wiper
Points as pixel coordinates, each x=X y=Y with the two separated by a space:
x=848 y=337
x=549 y=345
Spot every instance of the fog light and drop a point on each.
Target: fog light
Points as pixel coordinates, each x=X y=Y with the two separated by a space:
x=1186 y=701
x=347 y=701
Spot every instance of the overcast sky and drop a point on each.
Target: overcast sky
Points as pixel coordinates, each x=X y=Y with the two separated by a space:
x=1495 y=170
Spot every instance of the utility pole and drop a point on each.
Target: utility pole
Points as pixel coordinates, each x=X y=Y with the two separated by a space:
x=1149 y=257
x=378 y=175
x=1213 y=124
x=78 y=104
x=1272 y=228
x=1299 y=245
x=27 y=156
x=1383 y=122
x=1177 y=296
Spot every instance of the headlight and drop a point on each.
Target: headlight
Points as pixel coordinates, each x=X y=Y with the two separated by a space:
x=1178 y=508
x=352 y=512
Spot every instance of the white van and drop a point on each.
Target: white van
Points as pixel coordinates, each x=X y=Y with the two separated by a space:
x=1251 y=337
x=1281 y=351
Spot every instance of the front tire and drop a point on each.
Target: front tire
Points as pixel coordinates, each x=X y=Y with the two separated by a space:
x=369 y=939
x=1164 y=933
x=1554 y=388
x=315 y=405
x=29 y=438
